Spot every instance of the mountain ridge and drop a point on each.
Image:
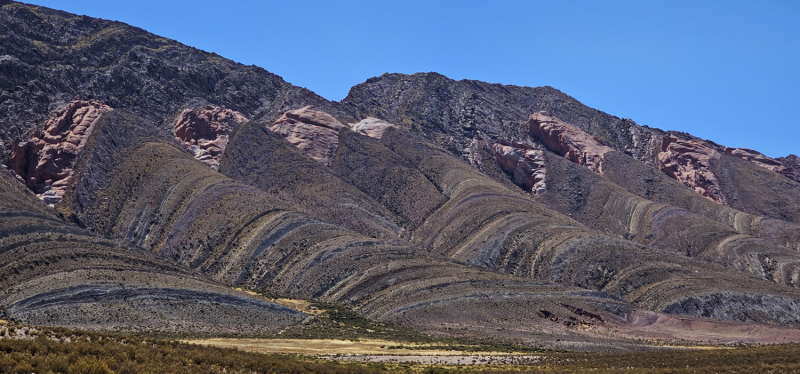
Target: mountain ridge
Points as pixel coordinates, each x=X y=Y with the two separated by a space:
x=393 y=201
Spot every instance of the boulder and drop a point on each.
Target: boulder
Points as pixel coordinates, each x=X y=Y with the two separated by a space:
x=314 y=132
x=205 y=131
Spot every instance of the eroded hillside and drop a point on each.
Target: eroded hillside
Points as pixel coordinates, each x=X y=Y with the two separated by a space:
x=457 y=208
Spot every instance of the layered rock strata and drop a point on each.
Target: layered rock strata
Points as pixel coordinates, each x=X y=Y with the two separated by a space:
x=387 y=178
x=488 y=226
x=156 y=195
x=265 y=160
x=573 y=143
x=205 y=131
x=603 y=205
x=152 y=193
x=46 y=160
x=314 y=132
x=765 y=162
x=56 y=274
x=525 y=165
x=688 y=164
x=372 y=127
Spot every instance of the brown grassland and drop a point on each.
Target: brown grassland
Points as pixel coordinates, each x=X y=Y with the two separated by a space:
x=65 y=351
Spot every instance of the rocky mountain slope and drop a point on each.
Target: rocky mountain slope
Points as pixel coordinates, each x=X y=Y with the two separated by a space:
x=53 y=273
x=458 y=208
x=467 y=117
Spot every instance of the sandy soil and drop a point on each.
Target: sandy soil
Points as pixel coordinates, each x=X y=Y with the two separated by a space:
x=329 y=347
x=443 y=359
x=659 y=326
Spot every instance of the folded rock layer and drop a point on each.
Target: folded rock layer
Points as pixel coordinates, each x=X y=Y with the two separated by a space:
x=55 y=274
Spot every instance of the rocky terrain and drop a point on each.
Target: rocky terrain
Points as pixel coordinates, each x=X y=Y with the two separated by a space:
x=205 y=131
x=147 y=179
x=57 y=274
x=46 y=161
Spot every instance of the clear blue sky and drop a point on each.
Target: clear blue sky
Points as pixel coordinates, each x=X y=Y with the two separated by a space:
x=722 y=70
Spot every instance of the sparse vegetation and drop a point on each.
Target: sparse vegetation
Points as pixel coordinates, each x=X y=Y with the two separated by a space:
x=60 y=350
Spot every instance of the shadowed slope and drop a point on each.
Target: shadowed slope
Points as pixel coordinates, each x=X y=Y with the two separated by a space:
x=56 y=274
x=386 y=177
x=265 y=160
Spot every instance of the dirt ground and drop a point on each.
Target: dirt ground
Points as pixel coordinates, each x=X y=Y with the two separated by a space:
x=331 y=347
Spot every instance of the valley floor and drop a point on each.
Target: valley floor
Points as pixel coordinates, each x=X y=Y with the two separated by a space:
x=64 y=351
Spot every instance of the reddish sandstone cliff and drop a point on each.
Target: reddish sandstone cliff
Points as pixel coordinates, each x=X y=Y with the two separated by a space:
x=525 y=164
x=689 y=162
x=46 y=161
x=205 y=131
x=314 y=132
x=567 y=140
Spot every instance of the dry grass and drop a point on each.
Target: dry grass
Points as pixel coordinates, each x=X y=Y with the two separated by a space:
x=333 y=346
x=304 y=306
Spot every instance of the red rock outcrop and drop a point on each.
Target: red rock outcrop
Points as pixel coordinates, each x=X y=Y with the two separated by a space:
x=205 y=131
x=567 y=140
x=525 y=164
x=371 y=127
x=314 y=132
x=765 y=162
x=46 y=161
x=689 y=162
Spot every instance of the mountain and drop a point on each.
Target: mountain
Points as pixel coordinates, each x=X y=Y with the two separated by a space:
x=151 y=179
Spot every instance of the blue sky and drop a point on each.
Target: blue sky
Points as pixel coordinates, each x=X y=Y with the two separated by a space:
x=721 y=70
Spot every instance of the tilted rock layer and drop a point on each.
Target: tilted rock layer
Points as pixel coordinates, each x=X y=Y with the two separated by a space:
x=689 y=162
x=765 y=162
x=525 y=164
x=792 y=162
x=314 y=132
x=205 y=131
x=573 y=143
x=371 y=127
x=46 y=161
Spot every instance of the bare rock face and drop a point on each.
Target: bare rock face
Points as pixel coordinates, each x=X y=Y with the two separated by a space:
x=205 y=131
x=766 y=162
x=371 y=127
x=793 y=163
x=689 y=162
x=573 y=143
x=46 y=161
x=314 y=132
x=525 y=164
